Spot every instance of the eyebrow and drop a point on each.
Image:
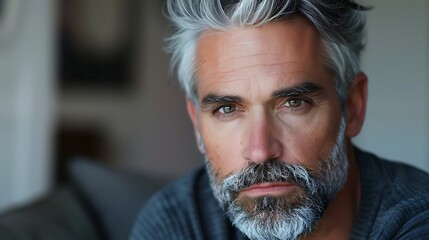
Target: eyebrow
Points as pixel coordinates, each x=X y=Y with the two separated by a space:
x=216 y=99
x=301 y=89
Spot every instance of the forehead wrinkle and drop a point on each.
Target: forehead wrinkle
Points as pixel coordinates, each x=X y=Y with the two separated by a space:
x=273 y=65
x=279 y=74
x=281 y=68
x=250 y=55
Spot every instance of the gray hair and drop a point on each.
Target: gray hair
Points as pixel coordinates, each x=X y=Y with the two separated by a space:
x=340 y=23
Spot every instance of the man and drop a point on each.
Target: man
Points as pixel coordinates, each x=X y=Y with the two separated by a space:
x=275 y=93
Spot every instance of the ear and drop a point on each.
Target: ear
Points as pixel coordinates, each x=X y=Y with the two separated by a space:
x=190 y=106
x=192 y=112
x=356 y=104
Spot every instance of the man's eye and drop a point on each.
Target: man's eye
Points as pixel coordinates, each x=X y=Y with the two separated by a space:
x=295 y=103
x=227 y=109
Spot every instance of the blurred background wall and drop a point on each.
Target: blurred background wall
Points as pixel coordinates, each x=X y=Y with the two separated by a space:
x=89 y=78
x=396 y=61
x=27 y=99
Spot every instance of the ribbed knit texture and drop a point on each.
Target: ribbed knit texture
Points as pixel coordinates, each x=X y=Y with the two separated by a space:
x=394 y=200
x=394 y=205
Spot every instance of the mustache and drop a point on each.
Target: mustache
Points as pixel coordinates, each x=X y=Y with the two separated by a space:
x=271 y=171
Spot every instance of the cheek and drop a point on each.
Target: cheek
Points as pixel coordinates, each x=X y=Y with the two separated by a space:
x=223 y=151
x=308 y=142
x=307 y=149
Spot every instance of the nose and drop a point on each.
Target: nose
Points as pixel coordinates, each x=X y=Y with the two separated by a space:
x=261 y=141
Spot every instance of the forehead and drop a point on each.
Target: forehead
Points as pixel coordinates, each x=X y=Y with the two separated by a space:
x=286 y=48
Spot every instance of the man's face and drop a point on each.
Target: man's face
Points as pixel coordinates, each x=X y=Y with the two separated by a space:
x=266 y=98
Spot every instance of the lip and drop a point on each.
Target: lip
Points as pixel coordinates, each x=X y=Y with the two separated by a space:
x=272 y=188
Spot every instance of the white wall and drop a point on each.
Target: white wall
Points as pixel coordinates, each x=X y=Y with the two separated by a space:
x=26 y=98
x=396 y=61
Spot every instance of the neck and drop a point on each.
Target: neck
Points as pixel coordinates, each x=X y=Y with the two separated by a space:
x=337 y=222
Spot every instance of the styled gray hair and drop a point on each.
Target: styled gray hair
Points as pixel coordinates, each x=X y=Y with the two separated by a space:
x=340 y=23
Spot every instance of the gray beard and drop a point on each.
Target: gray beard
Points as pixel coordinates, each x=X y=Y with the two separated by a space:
x=282 y=217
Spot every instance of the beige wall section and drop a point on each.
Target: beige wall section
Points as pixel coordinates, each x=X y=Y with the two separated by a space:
x=396 y=61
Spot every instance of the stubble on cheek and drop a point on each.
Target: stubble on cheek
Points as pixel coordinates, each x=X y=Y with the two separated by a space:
x=213 y=166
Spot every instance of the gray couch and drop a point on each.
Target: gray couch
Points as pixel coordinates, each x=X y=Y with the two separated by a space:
x=98 y=203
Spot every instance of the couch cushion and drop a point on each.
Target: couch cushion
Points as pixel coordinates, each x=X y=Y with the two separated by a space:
x=57 y=216
x=114 y=196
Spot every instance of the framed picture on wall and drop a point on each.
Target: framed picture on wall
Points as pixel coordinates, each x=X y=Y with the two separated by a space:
x=97 y=40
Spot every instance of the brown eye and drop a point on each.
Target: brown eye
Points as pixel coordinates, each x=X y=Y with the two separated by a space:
x=294 y=103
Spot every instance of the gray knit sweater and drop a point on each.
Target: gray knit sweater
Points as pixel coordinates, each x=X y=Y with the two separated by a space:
x=394 y=205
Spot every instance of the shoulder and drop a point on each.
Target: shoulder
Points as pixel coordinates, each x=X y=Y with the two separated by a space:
x=177 y=192
x=402 y=194
x=408 y=219
x=176 y=210
x=393 y=177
